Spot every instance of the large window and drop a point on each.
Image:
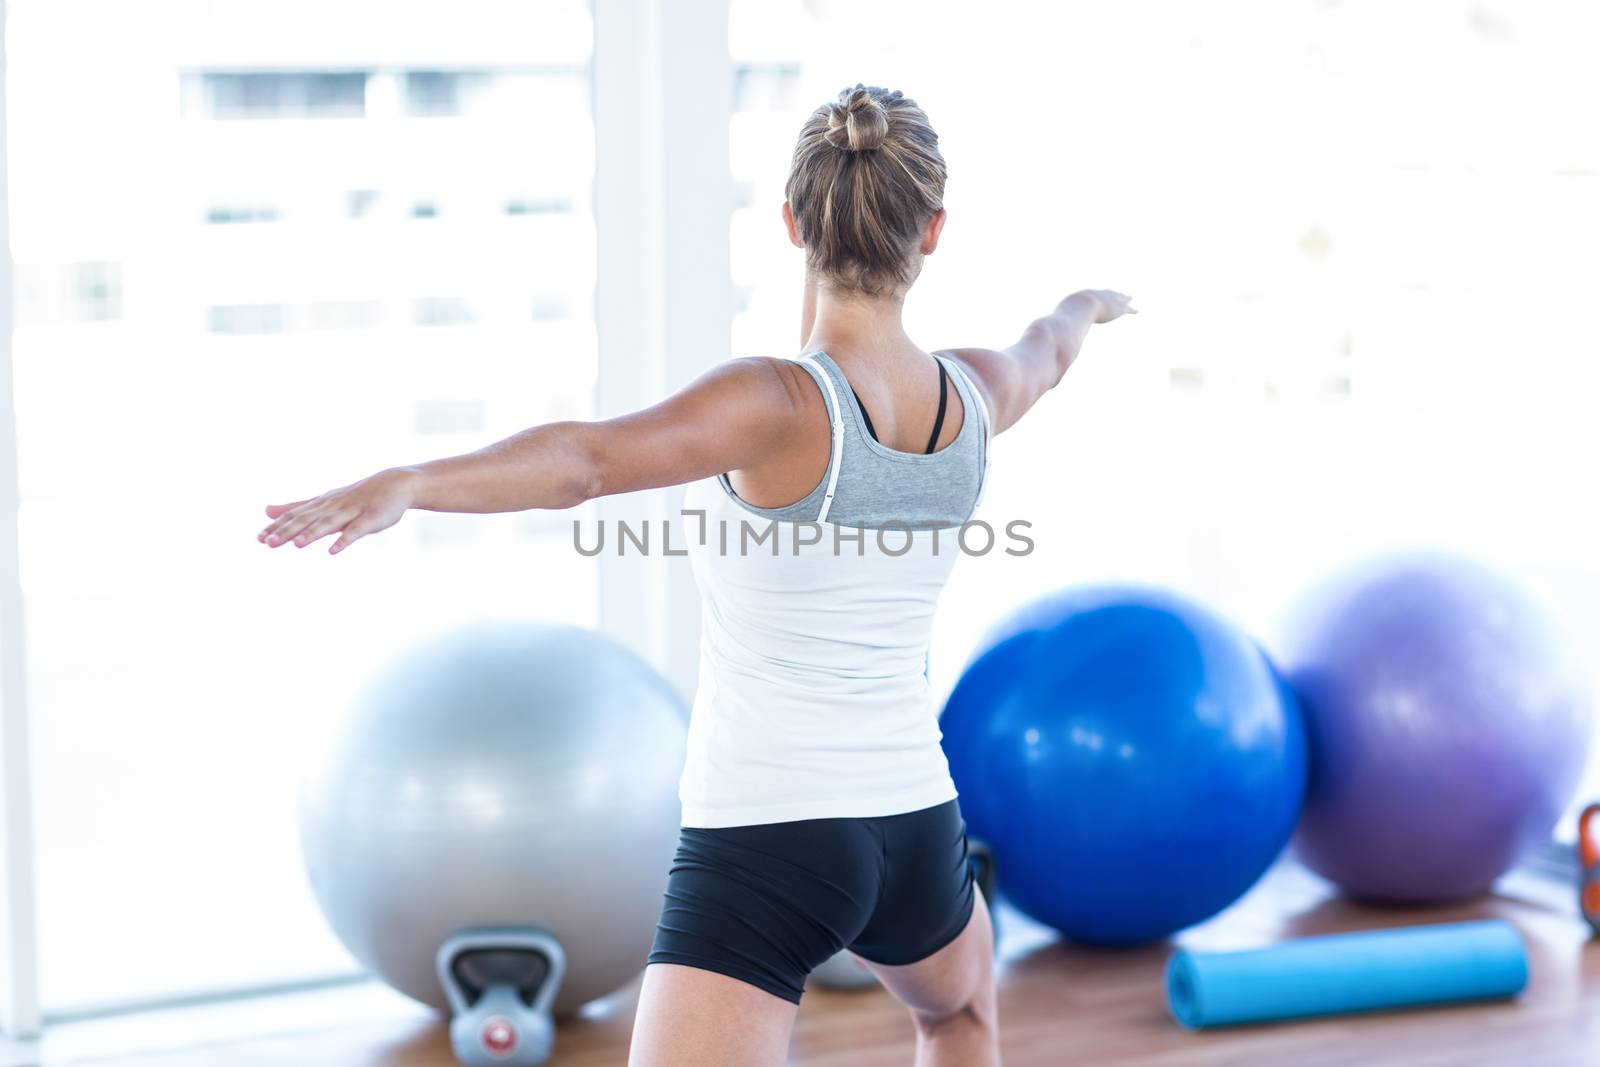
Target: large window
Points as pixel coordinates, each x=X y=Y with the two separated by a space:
x=391 y=260
x=1363 y=238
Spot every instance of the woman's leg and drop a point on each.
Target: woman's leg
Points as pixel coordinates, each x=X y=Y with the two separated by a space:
x=748 y=911
x=694 y=1018
x=951 y=997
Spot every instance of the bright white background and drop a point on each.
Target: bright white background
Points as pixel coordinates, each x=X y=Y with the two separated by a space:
x=1363 y=237
x=180 y=672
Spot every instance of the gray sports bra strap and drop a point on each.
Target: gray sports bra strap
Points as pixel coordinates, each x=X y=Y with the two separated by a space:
x=836 y=415
x=970 y=392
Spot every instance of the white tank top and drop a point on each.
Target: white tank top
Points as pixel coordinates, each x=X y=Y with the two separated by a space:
x=813 y=699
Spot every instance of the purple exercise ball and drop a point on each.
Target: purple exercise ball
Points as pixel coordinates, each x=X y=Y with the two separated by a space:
x=1447 y=727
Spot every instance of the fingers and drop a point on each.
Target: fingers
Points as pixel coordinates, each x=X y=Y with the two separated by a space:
x=1121 y=303
x=288 y=524
x=304 y=522
x=273 y=533
x=323 y=525
x=311 y=525
x=284 y=514
x=289 y=528
x=352 y=533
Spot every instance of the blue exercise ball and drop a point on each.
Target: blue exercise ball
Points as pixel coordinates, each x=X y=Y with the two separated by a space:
x=1134 y=761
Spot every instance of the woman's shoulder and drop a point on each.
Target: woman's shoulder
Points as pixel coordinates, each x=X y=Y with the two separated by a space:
x=772 y=377
x=976 y=367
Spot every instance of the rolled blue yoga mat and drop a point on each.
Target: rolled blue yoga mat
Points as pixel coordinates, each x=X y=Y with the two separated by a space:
x=1348 y=972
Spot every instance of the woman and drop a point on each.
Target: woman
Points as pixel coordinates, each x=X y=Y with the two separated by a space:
x=818 y=813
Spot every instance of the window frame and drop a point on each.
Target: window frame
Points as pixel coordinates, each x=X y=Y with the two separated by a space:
x=19 y=979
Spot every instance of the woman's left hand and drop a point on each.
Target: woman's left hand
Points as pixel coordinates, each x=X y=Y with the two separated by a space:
x=353 y=511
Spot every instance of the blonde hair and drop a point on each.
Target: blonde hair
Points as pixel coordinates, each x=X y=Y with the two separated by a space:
x=866 y=178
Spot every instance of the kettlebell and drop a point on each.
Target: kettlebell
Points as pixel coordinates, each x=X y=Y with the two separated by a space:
x=500 y=983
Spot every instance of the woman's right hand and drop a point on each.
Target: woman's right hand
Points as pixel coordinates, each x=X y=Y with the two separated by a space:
x=1109 y=304
x=352 y=511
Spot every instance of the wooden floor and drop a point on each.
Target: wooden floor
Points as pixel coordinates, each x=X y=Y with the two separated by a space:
x=1067 y=1005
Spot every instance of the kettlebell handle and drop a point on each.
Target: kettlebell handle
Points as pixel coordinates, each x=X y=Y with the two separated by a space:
x=504 y=938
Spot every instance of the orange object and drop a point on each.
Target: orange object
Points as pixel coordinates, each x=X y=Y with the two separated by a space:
x=1589 y=865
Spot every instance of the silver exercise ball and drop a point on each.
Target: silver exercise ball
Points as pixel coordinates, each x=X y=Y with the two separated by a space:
x=505 y=774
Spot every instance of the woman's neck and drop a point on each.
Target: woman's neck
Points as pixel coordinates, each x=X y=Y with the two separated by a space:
x=851 y=321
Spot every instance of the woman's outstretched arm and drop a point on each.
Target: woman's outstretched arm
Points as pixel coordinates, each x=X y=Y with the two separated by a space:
x=736 y=415
x=1013 y=379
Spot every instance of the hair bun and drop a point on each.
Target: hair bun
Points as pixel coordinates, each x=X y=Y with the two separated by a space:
x=857 y=122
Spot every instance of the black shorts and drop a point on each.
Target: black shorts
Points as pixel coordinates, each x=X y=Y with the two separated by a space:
x=766 y=904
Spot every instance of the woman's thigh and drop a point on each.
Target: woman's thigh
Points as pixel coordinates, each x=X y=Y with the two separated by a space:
x=748 y=912
x=690 y=1017
x=765 y=904
x=956 y=978
x=930 y=940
